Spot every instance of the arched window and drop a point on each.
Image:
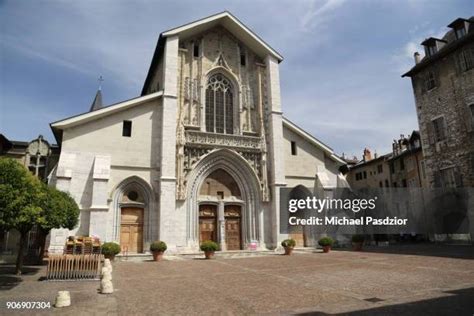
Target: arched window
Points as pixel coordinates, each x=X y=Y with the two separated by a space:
x=219 y=105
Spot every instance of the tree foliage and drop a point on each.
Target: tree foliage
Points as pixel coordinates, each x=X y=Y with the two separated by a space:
x=25 y=202
x=60 y=211
x=22 y=197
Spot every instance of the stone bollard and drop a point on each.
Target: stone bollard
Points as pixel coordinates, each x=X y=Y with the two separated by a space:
x=106 y=286
x=108 y=264
x=63 y=299
x=107 y=272
x=106 y=275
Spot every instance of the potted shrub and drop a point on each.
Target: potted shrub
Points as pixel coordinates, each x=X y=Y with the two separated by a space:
x=110 y=250
x=158 y=248
x=357 y=242
x=326 y=243
x=209 y=247
x=288 y=244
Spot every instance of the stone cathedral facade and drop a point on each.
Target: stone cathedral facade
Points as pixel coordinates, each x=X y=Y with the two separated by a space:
x=200 y=155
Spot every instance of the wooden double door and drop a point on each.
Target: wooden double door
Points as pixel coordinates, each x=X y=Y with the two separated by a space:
x=297 y=233
x=131 y=229
x=233 y=225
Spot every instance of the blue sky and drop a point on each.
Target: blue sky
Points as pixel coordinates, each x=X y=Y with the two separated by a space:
x=340 y=78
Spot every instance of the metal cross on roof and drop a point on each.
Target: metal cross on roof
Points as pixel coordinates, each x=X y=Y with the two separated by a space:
x=100 y=82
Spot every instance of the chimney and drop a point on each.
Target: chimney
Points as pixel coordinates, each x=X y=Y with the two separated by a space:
x=375 y=155
x=367 y=155
x=417 y=57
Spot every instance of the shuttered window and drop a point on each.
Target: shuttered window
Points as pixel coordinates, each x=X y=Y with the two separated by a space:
x=430 y=81
x=450 y=178
x=439 y=129
x=466 y=59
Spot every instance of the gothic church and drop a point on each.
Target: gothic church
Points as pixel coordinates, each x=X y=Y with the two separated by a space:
x=201 y=154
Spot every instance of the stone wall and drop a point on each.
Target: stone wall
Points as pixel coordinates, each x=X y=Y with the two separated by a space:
x=95 y=158
x=301 y=169
x=451 y=97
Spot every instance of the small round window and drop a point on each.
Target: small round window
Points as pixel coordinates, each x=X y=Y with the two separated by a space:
x=132 y=195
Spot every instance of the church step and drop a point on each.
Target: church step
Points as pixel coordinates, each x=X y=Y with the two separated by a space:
x=140 y=257
x=228 y=254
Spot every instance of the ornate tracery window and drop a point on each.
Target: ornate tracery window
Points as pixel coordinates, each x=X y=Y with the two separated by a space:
x=219 y=105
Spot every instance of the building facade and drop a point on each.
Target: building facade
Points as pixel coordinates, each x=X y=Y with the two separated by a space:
x=443 y=85
x=200 y=155
x=370 y=172
x=406 y=163
x=403 y=167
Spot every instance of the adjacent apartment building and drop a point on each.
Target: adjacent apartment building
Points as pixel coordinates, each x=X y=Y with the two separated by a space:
x=403 y=167
x=443 y=85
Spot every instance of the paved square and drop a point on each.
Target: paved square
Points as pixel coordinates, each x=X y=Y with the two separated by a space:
x=421 y=280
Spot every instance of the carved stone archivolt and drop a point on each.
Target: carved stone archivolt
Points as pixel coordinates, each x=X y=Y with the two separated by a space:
x=247 y=182
x=198 y=144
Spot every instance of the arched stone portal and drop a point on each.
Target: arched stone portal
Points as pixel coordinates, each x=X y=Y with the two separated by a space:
x=134 y=215
x=224 y=202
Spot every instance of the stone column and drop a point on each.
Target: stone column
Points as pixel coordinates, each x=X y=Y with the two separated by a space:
x=221 y=227
x=169 y=223
x=275 y=127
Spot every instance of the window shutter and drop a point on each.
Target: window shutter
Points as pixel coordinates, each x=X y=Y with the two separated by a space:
x=472 y=160
x=462 y=61
x=437 y=79
x=467 y=118
x=444 y=129
x=470 y=57
x=431 y=132
x=437 y=179
x=458 y=178
x=423 y=83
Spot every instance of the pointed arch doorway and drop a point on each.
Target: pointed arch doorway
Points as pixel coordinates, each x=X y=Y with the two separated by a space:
x=220 y=211
x=224 y=179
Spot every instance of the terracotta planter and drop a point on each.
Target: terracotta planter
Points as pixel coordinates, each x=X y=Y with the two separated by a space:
x=288 y=251
x=157 y=255
x=357 y=246
x=209 y=254
x=111 y=257
x=326 y=248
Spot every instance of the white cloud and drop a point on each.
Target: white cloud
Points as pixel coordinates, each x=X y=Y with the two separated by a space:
x=318 y=15
x=27 y=50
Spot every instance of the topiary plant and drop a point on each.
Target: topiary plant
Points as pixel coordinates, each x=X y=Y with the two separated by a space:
x=209 y=245
x=110 y=248
x=326 y=241
x=358 y=238
x=158 y=246
x=288 y=243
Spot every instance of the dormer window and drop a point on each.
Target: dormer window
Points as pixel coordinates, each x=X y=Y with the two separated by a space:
x=460 y=32
x=433 y=45
x=431 y=50
x=460 y=27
